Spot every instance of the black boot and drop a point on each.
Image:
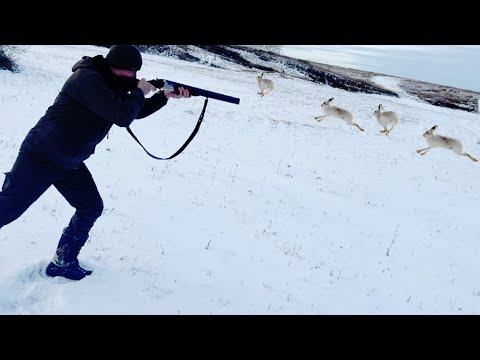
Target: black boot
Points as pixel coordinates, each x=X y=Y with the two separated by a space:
x=65 y=262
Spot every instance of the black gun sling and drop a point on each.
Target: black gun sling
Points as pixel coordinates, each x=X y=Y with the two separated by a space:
x=190 y=138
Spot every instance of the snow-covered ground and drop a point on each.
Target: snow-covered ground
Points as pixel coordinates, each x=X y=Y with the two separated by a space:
x=266 y=212
x=392 y=83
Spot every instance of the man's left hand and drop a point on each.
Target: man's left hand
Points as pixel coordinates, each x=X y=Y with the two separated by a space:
x=183 y=93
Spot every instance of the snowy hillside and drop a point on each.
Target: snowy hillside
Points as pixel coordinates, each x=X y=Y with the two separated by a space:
x=266 y=212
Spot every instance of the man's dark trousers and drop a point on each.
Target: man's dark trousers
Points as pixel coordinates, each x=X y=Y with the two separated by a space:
x=30 y=178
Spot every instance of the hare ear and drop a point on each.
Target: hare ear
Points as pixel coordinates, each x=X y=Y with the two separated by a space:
x=330 y=100
x=434 y=127
x=380 y=107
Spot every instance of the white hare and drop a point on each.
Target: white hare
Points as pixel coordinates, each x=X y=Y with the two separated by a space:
x=440 y=141
x=265 y=85
x=337 y=112
x=386 y=118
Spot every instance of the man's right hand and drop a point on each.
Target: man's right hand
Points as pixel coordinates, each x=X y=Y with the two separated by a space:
x=146 y=87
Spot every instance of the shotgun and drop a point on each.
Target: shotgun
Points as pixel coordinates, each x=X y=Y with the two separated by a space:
x=194 y=91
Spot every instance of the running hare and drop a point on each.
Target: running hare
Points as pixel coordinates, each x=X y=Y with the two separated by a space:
x=386 y=118
x=265 y=85
x=337 y=112
x=440 y=141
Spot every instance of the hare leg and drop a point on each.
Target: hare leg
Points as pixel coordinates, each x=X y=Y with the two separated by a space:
x=471 y=157
x=422 y=150
x=358 y=126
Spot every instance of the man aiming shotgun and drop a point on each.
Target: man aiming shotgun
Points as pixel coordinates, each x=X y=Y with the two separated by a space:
x=96 y=96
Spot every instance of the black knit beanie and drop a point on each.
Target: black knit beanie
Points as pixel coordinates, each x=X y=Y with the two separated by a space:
x=124 y=57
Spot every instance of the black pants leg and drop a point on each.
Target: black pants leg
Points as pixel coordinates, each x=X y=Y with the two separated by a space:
x=23 y=185
x=79 y=189
x=29 y=179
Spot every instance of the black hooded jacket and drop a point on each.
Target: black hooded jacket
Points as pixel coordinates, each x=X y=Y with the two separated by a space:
x=90 y=102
